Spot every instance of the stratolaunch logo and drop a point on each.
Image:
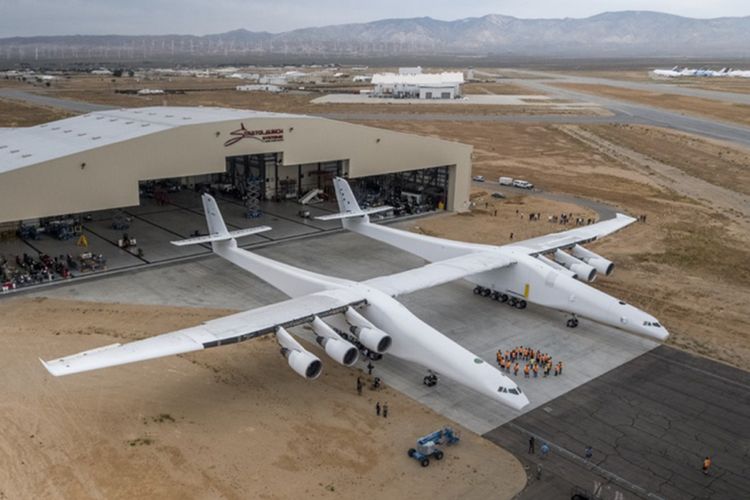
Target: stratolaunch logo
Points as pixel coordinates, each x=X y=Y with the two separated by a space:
x=267 y=135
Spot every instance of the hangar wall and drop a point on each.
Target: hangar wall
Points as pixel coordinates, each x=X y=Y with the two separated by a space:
x=107 y=176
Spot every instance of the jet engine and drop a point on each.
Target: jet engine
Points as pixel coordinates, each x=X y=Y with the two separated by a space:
x=337 y=348
x=584 y=272
x=371 y=337
x=300 y=360
x=557 y=267
x=596 y=261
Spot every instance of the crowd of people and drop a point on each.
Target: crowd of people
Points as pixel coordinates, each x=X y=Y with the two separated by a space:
x=533 y=361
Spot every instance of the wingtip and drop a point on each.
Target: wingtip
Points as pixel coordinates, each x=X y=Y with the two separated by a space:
x=47 y=367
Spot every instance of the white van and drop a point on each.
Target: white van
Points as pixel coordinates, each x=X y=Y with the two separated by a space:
x=505 y=181
x=522 y=184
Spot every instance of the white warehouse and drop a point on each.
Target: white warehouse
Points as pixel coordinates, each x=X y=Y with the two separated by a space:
x=418 y=85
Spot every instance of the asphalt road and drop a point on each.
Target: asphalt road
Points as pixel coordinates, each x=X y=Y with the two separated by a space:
x=648 y=115
x=650 y=423
x=622 y=112
x=661 y=87
x=43 y=100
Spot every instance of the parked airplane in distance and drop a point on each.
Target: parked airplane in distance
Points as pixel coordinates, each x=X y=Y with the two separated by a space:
x=550 y=271
x=341 y=313
x=676 y=72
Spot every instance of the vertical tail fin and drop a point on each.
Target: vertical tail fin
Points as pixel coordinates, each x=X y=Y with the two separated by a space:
x=214 y=220
x=345 y=197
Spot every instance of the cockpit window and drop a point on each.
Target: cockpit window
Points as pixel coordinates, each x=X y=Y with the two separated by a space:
x=502 y=389
x=657 y=325
x=513 y=391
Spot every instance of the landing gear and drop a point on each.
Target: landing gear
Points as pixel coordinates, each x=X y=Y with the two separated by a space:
x=572 y=322
x=430 y=380
x=500 y=297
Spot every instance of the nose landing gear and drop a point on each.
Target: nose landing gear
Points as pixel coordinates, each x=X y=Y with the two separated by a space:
x=572 y=322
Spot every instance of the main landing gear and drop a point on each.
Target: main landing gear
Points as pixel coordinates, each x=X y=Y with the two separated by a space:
x=572 y=322
x=500 y=297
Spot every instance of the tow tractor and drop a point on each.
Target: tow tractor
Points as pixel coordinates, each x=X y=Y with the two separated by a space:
x=427 y=445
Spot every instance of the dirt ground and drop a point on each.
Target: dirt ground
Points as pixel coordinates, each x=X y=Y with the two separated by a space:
x=20 y=114
x=223 y=423
x=739 y=113
x=493 y=220
x=687 y=264
x=220 y=92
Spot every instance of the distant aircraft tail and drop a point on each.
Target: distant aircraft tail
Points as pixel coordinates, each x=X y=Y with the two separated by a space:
x=217 y=229
x=348 y=206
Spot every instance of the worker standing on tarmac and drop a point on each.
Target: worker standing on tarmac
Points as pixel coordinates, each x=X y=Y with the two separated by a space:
x=526 y=371
x=536 y=370
x=706 y=465
x=499 y=357
x=515 y=369
x=377 y=408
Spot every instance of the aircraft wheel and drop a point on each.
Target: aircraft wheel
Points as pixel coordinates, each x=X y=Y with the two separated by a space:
x=522 y=304
x=512 y=301
x=486 y=292
x=495 y=295
x=477 y=290
x=572 y=323
x=503 y=298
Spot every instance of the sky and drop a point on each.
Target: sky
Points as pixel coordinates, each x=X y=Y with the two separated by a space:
x=199 y=17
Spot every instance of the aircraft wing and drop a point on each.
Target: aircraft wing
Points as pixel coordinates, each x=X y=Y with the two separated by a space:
x=579 y=235
x=222 y=331
x=439 y=273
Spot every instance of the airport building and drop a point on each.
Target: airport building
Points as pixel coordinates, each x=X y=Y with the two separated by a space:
x=412 y=84
x=102 y=160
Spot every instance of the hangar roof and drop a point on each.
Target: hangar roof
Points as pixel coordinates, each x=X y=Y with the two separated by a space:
x=21 y=147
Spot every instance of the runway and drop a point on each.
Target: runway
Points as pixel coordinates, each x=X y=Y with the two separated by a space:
x=622 y=112
x=650 y=422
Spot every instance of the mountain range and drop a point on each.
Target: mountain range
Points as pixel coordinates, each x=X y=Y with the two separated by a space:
x=611 y=34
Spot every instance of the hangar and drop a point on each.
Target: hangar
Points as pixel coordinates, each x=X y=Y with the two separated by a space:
x=100 y=160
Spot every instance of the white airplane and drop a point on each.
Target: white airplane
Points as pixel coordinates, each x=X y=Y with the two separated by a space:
x=522 y=272
x=355 y=313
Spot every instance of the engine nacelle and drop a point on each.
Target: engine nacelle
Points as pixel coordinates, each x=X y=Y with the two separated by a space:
x=371 y=337
x=340 y=350
x=602 y=265
x=584 y=272
x=557 y=267
x=304 y=363
x=300 y=360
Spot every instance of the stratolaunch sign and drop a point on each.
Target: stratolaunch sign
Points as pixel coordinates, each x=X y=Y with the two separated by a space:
x=262 y=135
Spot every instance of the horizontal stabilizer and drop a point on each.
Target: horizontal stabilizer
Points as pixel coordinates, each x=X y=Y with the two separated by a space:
x=221 y=237
x=358 y=213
